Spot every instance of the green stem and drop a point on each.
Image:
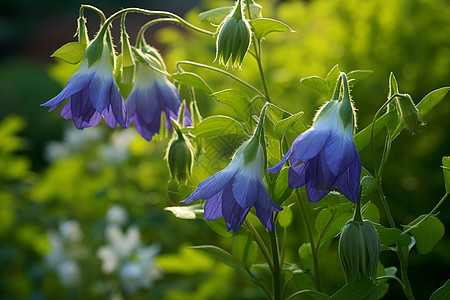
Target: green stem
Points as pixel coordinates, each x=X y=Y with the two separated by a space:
x=392 y=277
x=261 y=285
x=311 y=240
x=260 y=243
x=428 y=215
x=276 y=266
x=186 y=62
x=95 y=9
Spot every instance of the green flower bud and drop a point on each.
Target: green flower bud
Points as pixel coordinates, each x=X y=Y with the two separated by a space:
x=410 y=113
x=233 y=39
x=180 y=158
x=359 y=248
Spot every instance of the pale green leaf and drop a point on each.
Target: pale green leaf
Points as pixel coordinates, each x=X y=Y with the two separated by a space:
x=263 y=26
x=356 y=76
x=316 y=83
x=283 y=126
x=238 y=101
x=222 y=255
x=285 y=216
x=216 y=15
x=192 y=79
x=186 y=212
x=217 y=125
x=71 y=53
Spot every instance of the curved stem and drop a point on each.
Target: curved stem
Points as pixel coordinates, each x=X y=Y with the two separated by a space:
x=261 y=285
x=428 y=215
x=260 y=243
x=314 y=250
x=186 y=62
x=95 y=9
x=140 y=35
x=392 y=277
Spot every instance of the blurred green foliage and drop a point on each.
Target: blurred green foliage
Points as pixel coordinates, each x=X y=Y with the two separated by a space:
x=408 y=37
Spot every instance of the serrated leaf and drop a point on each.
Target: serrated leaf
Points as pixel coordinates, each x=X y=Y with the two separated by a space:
x=221 y=255
x=361 y=289
x=217 y=125
x=427 y=234
x=315 y=82
x=216 y=15
x=442 y=293
x=283 y=126
x=186 y=212
x=446 y=170
x=71 y=53
x=263 y=26
x=192 y=79
x=356 y=76
x=238 y=101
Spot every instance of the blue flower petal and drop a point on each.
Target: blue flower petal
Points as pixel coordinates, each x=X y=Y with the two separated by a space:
x=213 y=207
x=233 y=213
x=265 y=208
x=279 y=166
x=109 y=117
x=340 y=152
x=319 y=179
x=76 y=83
x=245 y=189
x=210 y=186
x=83 y=113
x=118 y=105
x=66 y=112
x=297 y=177
x=309 y=144
x=100 y=92
x=348 y=183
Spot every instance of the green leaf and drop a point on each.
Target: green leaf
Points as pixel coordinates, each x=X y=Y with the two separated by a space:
x=442 y=293
x=369 y=185
x=217 y=125
x=390 y=236
x=222 y=255
x=446 y=170
x=427 y=234
x=370 y=212
x=244 y=249
x=219 y=227
x=431 y=100
x=71 y=53
x=308 y=295
x=192 y=79
x=315 y=82
x=238 y=101
x=336 y=225
x=303 y=280
x=216 y=15
x=356 y=76
x=361 y=289
x=285 y=216
x=306 y=257
x=322 y=219
x=282 y=190
x=283 y=126
x=362 y=138
x=263 y=26
x=186 y=212
x=332 y=78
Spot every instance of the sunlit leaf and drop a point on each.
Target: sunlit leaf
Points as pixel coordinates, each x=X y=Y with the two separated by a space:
x=244 y=249
x=285 y=217
x=217 y=125
x=222 y=255
x=283 y=126
x=356 y=76
x=186 y=212
x=71 y=53
x=316 y=83
x=192 y=79
x=238 y=101
x=263 y=26
x=216 y=15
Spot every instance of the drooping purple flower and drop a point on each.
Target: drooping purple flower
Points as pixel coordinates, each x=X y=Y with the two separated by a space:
x=92 y=90
x=152 y=94
x=232 y=192
x=325 y=156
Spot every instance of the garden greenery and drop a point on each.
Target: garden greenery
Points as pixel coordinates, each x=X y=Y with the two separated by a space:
x=278 y=167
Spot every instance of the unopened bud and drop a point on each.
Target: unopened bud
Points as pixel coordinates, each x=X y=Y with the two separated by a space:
x=233 y=39
x=359 y=248
x=410 y=113
x=180 y=158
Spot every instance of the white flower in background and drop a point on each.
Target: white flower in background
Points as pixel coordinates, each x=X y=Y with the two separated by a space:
x=117 y=215
x=125 y=255
x=65 y=249
x=116 y=151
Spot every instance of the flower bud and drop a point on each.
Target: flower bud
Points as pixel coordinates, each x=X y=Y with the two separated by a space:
x=233 y=39
x=359 y=248
x=180 y=157
x=410 y=113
